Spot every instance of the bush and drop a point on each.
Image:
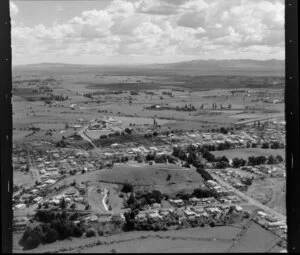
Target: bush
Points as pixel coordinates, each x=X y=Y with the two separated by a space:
x=90 y=232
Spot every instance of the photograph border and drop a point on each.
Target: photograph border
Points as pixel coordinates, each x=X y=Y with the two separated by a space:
x=291 y=115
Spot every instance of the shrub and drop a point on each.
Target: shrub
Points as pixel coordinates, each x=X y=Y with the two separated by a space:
x=90 y=232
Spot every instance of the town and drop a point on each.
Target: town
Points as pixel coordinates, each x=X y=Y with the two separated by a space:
x=111 y=174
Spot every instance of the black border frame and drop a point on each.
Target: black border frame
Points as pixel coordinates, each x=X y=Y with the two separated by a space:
x=292 y=124
x=6 y=127
x=291 y=114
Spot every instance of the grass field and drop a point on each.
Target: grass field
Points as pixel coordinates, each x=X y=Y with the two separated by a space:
x=270 y=191
x=193 y=239
x=202 y=240
x=248 y=152
x=154 y=177
x=20 y=178
x=257 y=239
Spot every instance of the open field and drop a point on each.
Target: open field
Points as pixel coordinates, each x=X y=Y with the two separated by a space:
x=20 y=178
x=132 y=240
x=257 y=239
x=154 y=177
x=202 y=240
x=248 y=152
x=271 y=192
x=180 y=100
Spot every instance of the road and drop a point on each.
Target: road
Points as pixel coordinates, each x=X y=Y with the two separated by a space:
x=85 y=137
x=32 y=167
x=251 y=121
x=104 y=198
x=249 y=199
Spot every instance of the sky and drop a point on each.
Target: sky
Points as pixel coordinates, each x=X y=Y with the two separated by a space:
x=145 y=31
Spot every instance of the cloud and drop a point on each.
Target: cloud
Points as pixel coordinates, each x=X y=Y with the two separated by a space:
x=14 y=10
x=191 y=28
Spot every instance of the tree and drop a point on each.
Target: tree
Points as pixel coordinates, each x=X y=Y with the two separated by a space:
x=127 y=187
x=169 y=177
x=77 y=231
x=90 y=232
x=208 y=156
x=223 y=130
x=236 y=162
x=271 y=160
x=265 y=145
x=51 y=235
x=279 y=159
x=131 y=200
x=128 y=130
x=275 y=145
x=30 y=239
x=62 y=203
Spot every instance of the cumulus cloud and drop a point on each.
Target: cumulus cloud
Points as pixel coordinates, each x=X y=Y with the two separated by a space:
x=197 y=28
x=14 y=10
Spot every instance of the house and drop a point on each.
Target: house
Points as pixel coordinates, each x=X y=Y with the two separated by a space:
x=195 y=200
x=212 y=183
x=189 y=213
x=20 y=206
x=38 y=199
x=50 y=181
x=177 y=202
x=238 y=208
x=141 y=217
x=55 y=201
x=198 y=209
x=261 y=214
x=34 y=191
x=213 y=210
x=156 y=205
x=154 y=215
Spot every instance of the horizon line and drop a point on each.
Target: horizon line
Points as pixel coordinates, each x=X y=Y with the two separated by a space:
x=154 y=63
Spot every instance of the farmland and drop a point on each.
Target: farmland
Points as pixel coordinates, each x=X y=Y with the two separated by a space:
x=120 y=153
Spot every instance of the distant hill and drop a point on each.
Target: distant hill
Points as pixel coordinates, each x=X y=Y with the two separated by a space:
x=242 y=67
x=226 y=64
